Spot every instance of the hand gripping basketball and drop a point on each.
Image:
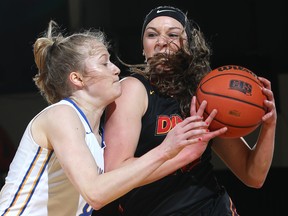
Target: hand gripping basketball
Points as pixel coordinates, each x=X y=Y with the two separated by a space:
x=237 y=95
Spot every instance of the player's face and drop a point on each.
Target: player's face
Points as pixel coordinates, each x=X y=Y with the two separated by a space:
x=102 y=76
x=162 y=35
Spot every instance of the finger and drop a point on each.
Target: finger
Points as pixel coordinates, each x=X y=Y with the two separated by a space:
x=267 y=116
x=271 y=110
x=202 y=107
x=194 y=126
x=269 y=104
x=195 y=133
x=213 y=134
x=193 y=106
x=266 y=83
x=190 y=119
x=193 y=140
x=269 y=94
x=212 y=115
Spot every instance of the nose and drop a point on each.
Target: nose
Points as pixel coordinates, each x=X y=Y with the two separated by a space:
x=161 y=44
x=116 y=70
x=162 y=40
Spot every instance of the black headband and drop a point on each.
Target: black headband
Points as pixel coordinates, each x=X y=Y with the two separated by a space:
x=165 y=11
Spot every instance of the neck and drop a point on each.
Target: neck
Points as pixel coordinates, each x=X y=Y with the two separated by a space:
x=92 y=113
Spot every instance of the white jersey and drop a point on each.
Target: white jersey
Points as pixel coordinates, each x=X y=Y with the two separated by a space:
x=36 y=184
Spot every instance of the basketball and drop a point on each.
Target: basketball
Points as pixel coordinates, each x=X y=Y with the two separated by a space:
x=237 y=95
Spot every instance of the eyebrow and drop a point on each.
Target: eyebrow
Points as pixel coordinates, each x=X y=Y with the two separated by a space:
x=104 y=55
x=170 y=28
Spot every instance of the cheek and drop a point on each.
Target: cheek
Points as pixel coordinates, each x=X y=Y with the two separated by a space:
x=97 y=80
x=174 y=45
x=148 y=48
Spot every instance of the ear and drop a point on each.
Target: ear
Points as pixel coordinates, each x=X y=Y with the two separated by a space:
x=76 y=79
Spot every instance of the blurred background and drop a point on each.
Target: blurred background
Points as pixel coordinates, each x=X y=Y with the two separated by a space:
x=250 y=33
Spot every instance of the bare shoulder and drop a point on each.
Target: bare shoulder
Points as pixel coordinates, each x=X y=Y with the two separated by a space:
x=56 y=116
x=133 y=90
x=133 y=98
x=132 y=82
x=61 y=110
x=51 y=121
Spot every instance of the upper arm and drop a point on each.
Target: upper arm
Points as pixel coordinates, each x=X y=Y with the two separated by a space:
x=66 y=134
x=123 y=123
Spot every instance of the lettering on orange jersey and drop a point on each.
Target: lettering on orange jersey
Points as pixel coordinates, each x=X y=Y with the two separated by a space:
x=166 y=123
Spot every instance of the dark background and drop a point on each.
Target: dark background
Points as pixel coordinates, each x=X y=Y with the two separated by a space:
x=251 y=33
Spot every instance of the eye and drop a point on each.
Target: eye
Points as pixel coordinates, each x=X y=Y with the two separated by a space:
x=104 y=61
x=173 y=35
x=151 y=35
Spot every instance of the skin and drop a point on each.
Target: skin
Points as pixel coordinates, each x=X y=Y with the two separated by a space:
x=60 y=129
x=124 y=115
x=162 y=35
x=250 y=165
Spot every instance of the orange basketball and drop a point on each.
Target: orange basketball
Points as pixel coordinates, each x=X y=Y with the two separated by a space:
x=237 y=94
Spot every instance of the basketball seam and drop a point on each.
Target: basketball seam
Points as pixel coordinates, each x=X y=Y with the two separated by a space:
x=249 y=97
x=235 y=126
x=229 y=125
x=232 y=74
x=225 y=96
x=219 y=95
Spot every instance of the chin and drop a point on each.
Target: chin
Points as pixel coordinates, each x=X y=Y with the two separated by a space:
x=118 y=92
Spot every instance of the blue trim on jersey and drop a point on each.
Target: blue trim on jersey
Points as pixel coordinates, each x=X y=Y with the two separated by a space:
x=102 y=135
x=84 y=116
x=23 y=181
x=42 y=171
x=80 y=111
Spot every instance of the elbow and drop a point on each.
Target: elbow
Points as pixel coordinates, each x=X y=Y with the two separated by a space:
x=257 y=184
x=97 y=204
x=255 y=181
x=256 y=176
x=96 y=200
x=254 y=184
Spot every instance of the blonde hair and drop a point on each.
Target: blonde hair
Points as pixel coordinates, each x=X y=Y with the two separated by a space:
x=56 y=56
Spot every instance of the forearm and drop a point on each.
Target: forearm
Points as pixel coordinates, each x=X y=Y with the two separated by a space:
x=186 y=156
x=111 y=185
x=263 y=152
x=100 y=189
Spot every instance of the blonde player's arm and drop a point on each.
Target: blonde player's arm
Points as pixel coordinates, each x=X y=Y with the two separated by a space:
x=65 y=134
